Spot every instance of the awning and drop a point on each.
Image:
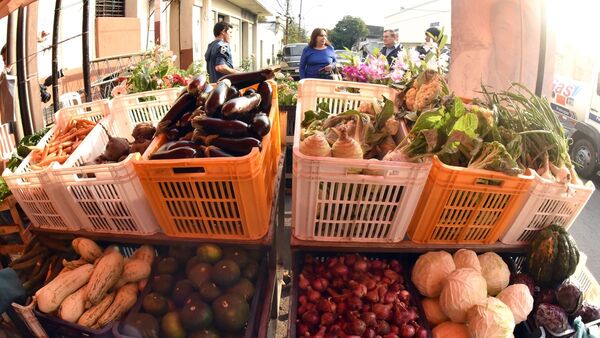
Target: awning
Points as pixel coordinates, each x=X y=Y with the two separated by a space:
x=9 y=6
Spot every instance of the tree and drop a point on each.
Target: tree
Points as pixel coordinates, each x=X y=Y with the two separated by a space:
x=295 y=33
x=347 y=32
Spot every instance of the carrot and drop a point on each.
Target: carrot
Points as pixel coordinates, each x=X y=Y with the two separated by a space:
x=48 y=160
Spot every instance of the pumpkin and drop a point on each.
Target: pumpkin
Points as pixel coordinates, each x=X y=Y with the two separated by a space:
x=552 y=257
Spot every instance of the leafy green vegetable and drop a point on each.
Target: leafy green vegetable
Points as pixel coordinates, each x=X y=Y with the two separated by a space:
x=4 y=191
x=493 y=156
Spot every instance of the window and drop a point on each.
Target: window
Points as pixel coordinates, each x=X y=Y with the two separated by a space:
x=110 y=8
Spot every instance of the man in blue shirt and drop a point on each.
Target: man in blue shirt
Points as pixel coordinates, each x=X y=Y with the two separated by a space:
x=219 y=61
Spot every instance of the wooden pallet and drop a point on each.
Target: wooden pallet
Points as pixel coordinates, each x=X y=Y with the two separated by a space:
x=10 y=204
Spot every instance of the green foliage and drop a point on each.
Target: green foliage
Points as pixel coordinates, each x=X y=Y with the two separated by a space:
x=287 y=90
x=22 y=149
x=4 y=191
x=347 y=32
x=295 y=34
x=248 y=63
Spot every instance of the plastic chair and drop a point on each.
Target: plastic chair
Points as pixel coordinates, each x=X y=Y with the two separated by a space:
x=70 y=99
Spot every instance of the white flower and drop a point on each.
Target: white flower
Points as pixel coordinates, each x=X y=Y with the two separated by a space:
x=279 y=75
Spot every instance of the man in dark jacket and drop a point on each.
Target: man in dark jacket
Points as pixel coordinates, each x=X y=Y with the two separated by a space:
x=390 y=50
x=219 y=61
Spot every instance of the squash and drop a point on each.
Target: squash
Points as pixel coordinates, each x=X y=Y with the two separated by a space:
x=90 y=316
x=73 y=306
x=124 y=300
x=52 y=294
x=106 y=274
x=552 y=257
x=145 y=253
x=87 y=249
x=135 y=270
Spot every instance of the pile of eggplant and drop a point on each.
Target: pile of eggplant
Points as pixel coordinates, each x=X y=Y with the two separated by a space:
x=224 y=120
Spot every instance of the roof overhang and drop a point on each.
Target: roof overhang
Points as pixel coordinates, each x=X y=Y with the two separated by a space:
x=255 y=6
x=9 y=6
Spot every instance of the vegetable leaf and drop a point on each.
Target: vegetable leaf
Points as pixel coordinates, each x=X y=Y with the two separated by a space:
x=428 y=120
x=468 y=124
x=458 y=107
x=386 y=113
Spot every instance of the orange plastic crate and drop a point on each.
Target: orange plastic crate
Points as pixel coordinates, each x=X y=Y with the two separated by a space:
x=467 y=206
x=224 y=198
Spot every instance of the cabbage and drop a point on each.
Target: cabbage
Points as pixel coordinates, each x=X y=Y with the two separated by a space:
x=495 y=272
x=490 y=319
x=433 y=311
x=430 y=271
x=518 y=299
x=450 y=330
x=463 y=289
x=464 y=258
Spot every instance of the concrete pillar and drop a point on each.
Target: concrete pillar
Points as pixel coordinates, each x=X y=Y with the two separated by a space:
x=140 y=10
x=33 y=88
x=174 y=31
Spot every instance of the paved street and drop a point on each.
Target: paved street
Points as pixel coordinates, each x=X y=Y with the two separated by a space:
x=585 y=231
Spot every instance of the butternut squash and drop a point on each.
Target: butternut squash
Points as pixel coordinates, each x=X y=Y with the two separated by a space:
x=105 y=275
x=124 y=300
x=73 y=306
x=89 y=317
x=145 y=253
x=135 y=270
x=87 y=249
x=52 y=294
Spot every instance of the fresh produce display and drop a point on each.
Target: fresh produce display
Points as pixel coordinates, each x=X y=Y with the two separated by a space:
x=466 y=301
x=118 y=148
x=203 y=291
x=23 y=148
x=355 y=296
x=227 y=120
x=61 y=145
x=42 y=261
x=99 y=287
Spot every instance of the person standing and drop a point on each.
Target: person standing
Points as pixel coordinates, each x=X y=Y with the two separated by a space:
x=432 y=35
x=318 y=58
x=390 y=49
x=219 y=61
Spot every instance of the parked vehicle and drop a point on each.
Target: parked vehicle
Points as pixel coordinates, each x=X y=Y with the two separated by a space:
x=291 y=59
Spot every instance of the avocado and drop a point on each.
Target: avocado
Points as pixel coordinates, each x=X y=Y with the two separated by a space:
x=226 y=273
x=192 y=262
x=181 y=252
x=209 y=291
x=140 y=325
x=171 y=326
x=240 y=256
x=200 y=273
x=251 y=271
x=209 y=253
x=167 y=266
x=155 y=304
x=194 y=297
x=162 y=284
x=204 y=333
x=231 y=312
x=196 y=315
x=182 y=291
x=244 y=288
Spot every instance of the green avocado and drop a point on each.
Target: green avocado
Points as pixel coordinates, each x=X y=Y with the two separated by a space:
x=181 y=252
x=140 y=325
x=200 y=273
x=244 y=288
x=155 y=304
x=182 y=291
x=171 y=326
x=204 y=333
x=226 y=273
x=192 y=262
x=167 y=266
x=162 y=284
x=240 y=256
x=231 y=312
x=196 y=315
x=209 y=253
x=209 y=291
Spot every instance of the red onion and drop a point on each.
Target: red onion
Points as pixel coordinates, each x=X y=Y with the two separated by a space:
x=303 y=283
x=326 y=305
x=404 y=296
x=340 y=270
x=366 y=308
x=351 y=259
x=361 y=265
x=303 y=330
x=321 y=333
x=338 y=283
x=396 y=287
x=302 y=300
x=301 y=310
x=311 y=318
x=354 y=303
x=382 y=311
x=377 y=264
x=394 y=329
x=336 y=329
x=369 y=318
x=327 y=275
x=312 y=295
x=341 y=308
x=369 y=283
x=383 y=327
x=319 y=284
x=403 y=315
x=396 y=266
x=386 y=280
x=355 y=326
x=359 y=290
x=422 y=333
x=407 y=331
x=390 y=297
x=391 y=335
x=327 y=319
x=372 y=296
x=331 y=262
x=369 y=333
x=321 y=270
x=382 y=291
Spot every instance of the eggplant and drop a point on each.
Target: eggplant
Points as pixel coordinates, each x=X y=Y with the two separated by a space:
x=196 y=86
x=216 y=98
x=232 y=92
x=240 y=106
x=212 y=151
x=185 y=103
x=182 y=152
x=261 y=125
x=184 y=143
x=235 y=146
x=243 y=80
x=172 y=134
x=249 y=91
x=185 y=119
x=211 y=125
x=266 y=96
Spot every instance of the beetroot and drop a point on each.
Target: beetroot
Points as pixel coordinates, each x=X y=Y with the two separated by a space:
x=521 y=278
x=569 y=296
x=551 y=317
x=588 y=312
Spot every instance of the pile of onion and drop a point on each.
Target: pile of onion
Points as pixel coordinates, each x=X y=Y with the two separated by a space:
x=353 y=296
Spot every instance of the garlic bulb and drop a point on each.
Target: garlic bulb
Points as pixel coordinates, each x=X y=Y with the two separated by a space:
x=315 y=145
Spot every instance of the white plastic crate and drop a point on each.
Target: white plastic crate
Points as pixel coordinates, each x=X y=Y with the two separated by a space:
x=547 y=203
x=330 y=201
x=109 y=198
x=148 y=106
x=35 y=190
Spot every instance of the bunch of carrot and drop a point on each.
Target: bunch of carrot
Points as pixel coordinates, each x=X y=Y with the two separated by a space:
x=61 y=145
